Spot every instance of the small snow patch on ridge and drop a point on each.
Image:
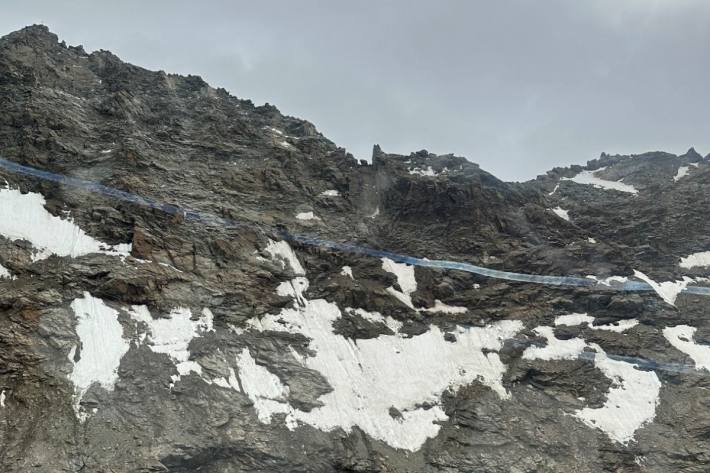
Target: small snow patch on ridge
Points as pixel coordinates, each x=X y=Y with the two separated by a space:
x=307 y=216
x=574 y=319
x=428 y=171
x=682 y=172
x=347 y=271
x=590 y=178
x=700 y=259
x=562 y=213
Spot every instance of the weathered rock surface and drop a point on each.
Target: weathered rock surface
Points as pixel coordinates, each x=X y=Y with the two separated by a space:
x=185 y=345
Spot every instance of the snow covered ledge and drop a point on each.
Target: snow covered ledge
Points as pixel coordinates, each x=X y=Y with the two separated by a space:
x=25 y=218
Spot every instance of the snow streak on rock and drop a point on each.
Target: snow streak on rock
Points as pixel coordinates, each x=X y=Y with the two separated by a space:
x=562 y=213
x=590 y=178
x=700 y=259
x=101 y=347
x=682 y=172
x=405 y=279
x=306 y=216
x=25 y=218
x=284 y=254
x=668 y=290
x=681 y=337
x=579 y=319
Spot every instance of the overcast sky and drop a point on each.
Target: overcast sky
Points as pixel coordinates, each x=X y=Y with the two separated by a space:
x=518 y=86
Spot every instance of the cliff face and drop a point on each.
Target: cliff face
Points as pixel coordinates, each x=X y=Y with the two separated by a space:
x=202 y=319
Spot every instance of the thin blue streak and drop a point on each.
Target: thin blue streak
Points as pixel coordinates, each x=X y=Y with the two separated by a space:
x=210 y=219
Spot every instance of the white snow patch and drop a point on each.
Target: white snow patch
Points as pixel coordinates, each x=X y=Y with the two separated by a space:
x=101 y=348
x=440 y=307
x=590 y=178
x=274 y=130
x=681 y=337
x=5 y=273
x=282 y=251
x=294 y=288
x=668 y=290
x=330 y=193
x=682 y=172
x=592 y=241
x=428 y=171
x=172 y=335
x=370 y=376
x=610 y=281
x=700 y=259
x=375 y=213
x=347 y=271
x=24 y=217
x=618 y=326
x=562 y=213
x=632 y=398
x=579 y=319
x=554 y=190
x=631 y=401
x=392 y=323
x=405 y=278
x=264 y=388
x=555 y=349
x=307 y=216
x=574 y=319
x=2 y=399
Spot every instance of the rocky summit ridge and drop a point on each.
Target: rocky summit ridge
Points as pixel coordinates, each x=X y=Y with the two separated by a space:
x=134 y=339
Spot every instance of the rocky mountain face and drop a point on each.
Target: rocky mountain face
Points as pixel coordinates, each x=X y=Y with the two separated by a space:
x=199 y=335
